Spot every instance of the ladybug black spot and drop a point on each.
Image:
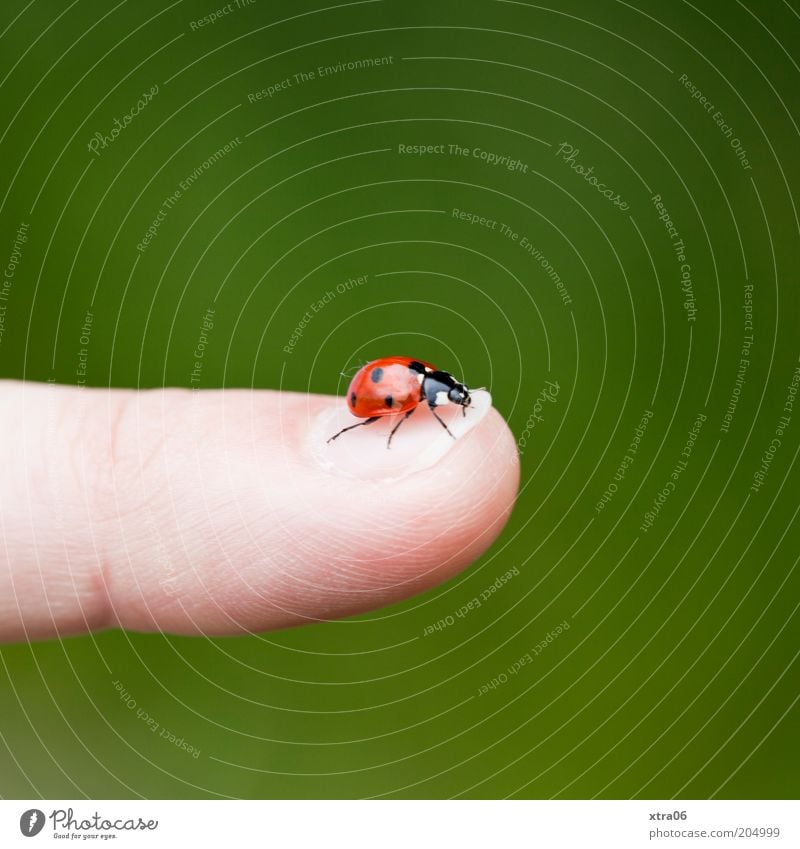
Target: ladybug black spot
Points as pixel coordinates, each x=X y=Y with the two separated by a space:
x=352 y=399
x=377 y=375
x=388 y=400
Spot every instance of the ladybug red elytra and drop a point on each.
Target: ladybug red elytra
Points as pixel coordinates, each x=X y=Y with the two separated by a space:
x=394 y=385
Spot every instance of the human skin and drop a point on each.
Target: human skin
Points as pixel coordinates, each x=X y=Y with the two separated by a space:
x=226 y=511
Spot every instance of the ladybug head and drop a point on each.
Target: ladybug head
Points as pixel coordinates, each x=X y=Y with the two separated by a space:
x=459 y=394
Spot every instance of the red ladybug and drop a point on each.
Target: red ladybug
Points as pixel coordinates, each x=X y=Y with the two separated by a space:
x=395 y=385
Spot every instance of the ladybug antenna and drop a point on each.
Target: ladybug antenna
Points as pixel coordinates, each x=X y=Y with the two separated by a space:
x=475 y=389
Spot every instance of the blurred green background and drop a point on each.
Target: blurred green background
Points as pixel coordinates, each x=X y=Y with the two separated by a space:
x=678 y=674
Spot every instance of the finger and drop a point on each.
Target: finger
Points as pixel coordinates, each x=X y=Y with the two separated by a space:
x=226 y=512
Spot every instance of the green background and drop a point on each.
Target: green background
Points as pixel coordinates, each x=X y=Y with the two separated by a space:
x=678 y=675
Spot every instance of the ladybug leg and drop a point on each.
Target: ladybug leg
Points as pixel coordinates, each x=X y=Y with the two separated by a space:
x=440 y=419
x=391 y=434
x=359 y=424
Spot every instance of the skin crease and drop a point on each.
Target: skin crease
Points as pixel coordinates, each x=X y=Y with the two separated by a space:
x=208 y=512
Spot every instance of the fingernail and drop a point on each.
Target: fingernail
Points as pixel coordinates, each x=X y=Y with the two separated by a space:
x=419 y=443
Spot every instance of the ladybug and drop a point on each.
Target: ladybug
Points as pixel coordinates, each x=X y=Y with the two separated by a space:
x=394 y=385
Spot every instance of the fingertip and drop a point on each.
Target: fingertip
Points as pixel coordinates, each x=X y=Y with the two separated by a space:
x=389 y=448
x=416 y=515
x=471 y=491
x=268 y=536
